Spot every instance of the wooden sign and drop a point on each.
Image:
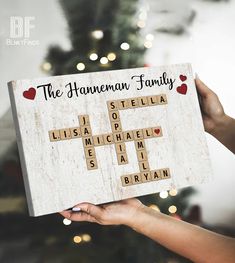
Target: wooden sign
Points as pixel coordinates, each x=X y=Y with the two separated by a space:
x=106 y=136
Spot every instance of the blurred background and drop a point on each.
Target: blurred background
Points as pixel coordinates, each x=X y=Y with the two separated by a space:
x=78 y=36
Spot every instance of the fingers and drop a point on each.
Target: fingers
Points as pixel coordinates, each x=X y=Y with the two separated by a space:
x=202 y=89
x=78 y=216
x=90 y=209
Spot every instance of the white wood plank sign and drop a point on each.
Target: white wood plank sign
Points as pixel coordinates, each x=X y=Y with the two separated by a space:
x=105 y=136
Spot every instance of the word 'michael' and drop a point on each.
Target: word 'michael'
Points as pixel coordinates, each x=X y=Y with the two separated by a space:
x=118 y=137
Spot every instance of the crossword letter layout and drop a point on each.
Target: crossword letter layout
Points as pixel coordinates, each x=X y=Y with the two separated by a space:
x=119 y=137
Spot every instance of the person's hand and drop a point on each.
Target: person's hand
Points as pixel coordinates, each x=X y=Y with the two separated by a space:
x=115 y=213
x=212 y=110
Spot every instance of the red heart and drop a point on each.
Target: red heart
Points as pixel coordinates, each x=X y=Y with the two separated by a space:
x=157 y=131
x=30 y=93
x=183 y=78
x=182 y=89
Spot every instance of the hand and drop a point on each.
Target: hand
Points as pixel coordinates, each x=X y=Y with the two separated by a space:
x=115 y=213
x=212 y=110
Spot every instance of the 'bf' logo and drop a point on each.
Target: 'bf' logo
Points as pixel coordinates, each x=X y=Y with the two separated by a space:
x=20 y=26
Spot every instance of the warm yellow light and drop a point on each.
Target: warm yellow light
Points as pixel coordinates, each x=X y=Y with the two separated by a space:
x=125 y=46
x=172 y=209
x=111 y=56
x=104 y=60
x=86 y=237
x=80 y=66
x=163 y=194
x=97 y=34
x=67 y=221
x=149 y=37
x=173 y=192
x=77 y=239
x=46 y=66
x=148 y=44
x=93 y=56
x=141 y=23
x=154 y=207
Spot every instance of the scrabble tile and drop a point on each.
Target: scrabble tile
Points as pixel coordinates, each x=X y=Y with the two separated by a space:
x=90 y=152
x=120 y=148
x=136 y=178
x=146 y=177
x=84 y=120
x=157 y=131
x=144 y=166
x=148 y=133
x=54 y=135
x=142 y=155
x=133 y=103
x=75 y=132
x=98 y=140
x=112 y=105
x=91 y=164
x=143 y=101
x=156 y=175
x=138 y=134
x=126 y=180
x=87 y=141
x=116 y=126
x=165 y=173
x=152 y=100
x=123 y=104
x=108 y=138
x=65 y=134
x=128 y=136
x=118 y=137
x=85 y=131
x=139 y=145
x=114 y=115
x=162 y=99
x=122 y=158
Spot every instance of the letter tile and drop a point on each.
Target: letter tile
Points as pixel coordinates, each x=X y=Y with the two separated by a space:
x=139 y=145
x=65 y=134
x=126 y=180
x=84 y=120
x=90 y=152
x=114 y=115
x=91 y=164
x=144 y=166
x=85 y=131
x=138 y=134
x=148 y=133
x=123 y=104
x=118 y=137
x=75 y=132
x=128 y=136
x=142 y=155
x=112 y=105
x=143 y=101
x=54 y=135
x=98 y=140
x=136 y=178
x=162 y=99
x=146 y=177
x=122 y=158
x=165 y=173
x=157 y=131
x=133 y=103
x=152 y=100
x=108 y=138
x=156 y=175
x=120 y=148
x=116 y=126
x=87 y=141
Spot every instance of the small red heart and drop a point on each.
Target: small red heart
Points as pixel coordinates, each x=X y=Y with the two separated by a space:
x=157 y=131
x=30 y=93
x=182 y=89
x=183 y=78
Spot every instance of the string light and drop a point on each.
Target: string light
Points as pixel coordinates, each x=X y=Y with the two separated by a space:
x=154 y=207
x=104 y=60
x=149 y=37
x=77 y=239
x=67 y=221
x=172 y=209
x=111 y=56
x=141 y=23
x=46 y=66
x=80 y=66
x=93 y=56
x=163 y=194
x=86 y=237
x=173 y=192
x=97 y=34
x=125 y=46
x=148 y=44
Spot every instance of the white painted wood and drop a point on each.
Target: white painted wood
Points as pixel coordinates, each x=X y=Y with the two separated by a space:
x=55 y=173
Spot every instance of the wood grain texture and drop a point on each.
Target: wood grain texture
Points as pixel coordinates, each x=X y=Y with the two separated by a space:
x=55 y=172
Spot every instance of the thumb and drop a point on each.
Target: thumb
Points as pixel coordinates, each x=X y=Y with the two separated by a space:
x=89 y=208
x=202 y=89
